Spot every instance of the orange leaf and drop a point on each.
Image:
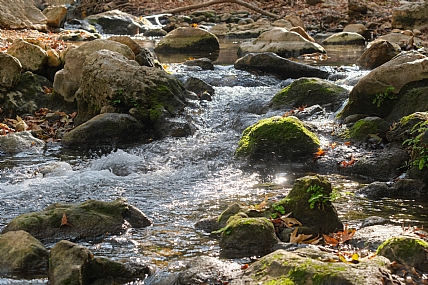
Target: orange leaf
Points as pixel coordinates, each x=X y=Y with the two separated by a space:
x=64 y=221
x=333 y=145
x=348 y=143
x=319 y=153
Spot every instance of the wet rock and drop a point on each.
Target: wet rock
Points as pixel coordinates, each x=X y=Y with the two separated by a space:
x=345 y=38
x=378 y=92
x=365 y=129
x=67 y=81
x=309 y=92
x=198 y=86
x=403 y=129
x=408 y=251
x=410 y=16
x=403 y=188
x=22 y=254
x=304 y=265
x=377 y=53
x=89 y=219
x=319 y=216
x=405 y=42
x=155 y=33
x=373 y=221
x=282 y=42
x=119 y=23
x=21 y=142
x=31 y=57
x=145 y=58
x=277 y=138
x=231 y=211
x=153 y=95
x=208 y=224
x=204 y=63
x=371 y=237
x=21 y=15
x=56 y=16
x=183 y=40
x=10 y=72
x=272 y=64
x=247 y=237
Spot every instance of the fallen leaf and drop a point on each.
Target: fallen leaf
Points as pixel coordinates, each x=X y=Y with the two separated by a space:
x=290 y=222
x=64 y=221
x=294 y=238
x=319 y=153
x=330 y=240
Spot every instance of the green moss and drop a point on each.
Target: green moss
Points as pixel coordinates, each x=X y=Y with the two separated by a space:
x=280 y=281
x=408 y=246
x=362 y=128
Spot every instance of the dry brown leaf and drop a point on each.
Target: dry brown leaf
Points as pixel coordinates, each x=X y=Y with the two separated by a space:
x=294 y=238
x=64 y=221
x=290 y=222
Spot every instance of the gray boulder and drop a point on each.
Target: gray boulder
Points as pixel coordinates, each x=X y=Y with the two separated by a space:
x=377 y=53
x=31 y=57
x=79 y=221
x=403 y=188
x=272 y=64
x=22 y=253
x=183 y=40
x=282 y=42
x=10 y=71
x=21 y=142
x=67 y=80
x=21 y=14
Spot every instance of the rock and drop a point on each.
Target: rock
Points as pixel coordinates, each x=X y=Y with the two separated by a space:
x=402 y=130
x=363 y=128
x=359 y=29
x=67 y=80
x=272 y=64
x=232 y=210
x=89 y=219
x=31 y=57
x=319 y=216
x=245 y=237
x=403 y=188
x=302 y=32
x=304 y=266
x=345 y=38
x=295 y=21
x=133 y=45
x=21 y=142
x=198 y=86
x=204 y=63
x=277 y=138
x=145 y=58
x=356 y=9
x=21 y=14
x=105 y=130
x=250 y=30
x=377 y=53
x=411 y=16
x=408 y=251
x=119 y=23
x=21 y=253
x=282 y=23
x=10 y=71
x=208 y=225
x=184 y=40
x=155 y=33
x=371 y=237
x=308 y=92
x=80 y=35
x=153 y=94
x=405 y=42
x=56 y=16
x=379 y=91
x=282 y=42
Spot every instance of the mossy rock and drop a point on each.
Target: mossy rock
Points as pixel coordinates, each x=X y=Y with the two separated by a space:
x=363 y=129
x=321 y=216
x=86 y=220
x=413 y=98
x=247 y=237
x=408 y=251
x=403 y=129
x=310 y=91
x=277 y=138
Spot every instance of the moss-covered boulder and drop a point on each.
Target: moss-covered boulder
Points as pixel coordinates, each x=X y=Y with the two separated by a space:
x=247 y=237
x=305 y=266
x=79 y=221
x=308 y=92
x=309 y=201
x=280 y=138
x=367 y=128
x=21 y=253
x=408 y=251
x=183 y=40
x=412 y=98
x=403 y=129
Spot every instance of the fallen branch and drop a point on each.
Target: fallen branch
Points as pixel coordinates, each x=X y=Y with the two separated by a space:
x=213 y=2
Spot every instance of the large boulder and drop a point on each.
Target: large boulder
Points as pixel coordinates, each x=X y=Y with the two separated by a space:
x=404 y=128
x=378 y=92
x=277 y=138
x=22 y=253
x=282 y=42
x=150 y=95
x=272 y=64
x=21 y=142
x=67 y=80
x=21 y=14
x=56 y=16
x=309 y=266
x=79 y=221
x=10 y=71
x=184 y=40
x=310 y=202
x=411 y=16
x=310 y=91
x=377 y=53
x=31 y=56
x=119 y=23
x=106 y=130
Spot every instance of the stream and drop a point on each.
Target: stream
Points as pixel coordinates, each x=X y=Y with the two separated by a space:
x=178 y=181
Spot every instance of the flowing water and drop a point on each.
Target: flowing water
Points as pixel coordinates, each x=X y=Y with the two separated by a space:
x=176 y=181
